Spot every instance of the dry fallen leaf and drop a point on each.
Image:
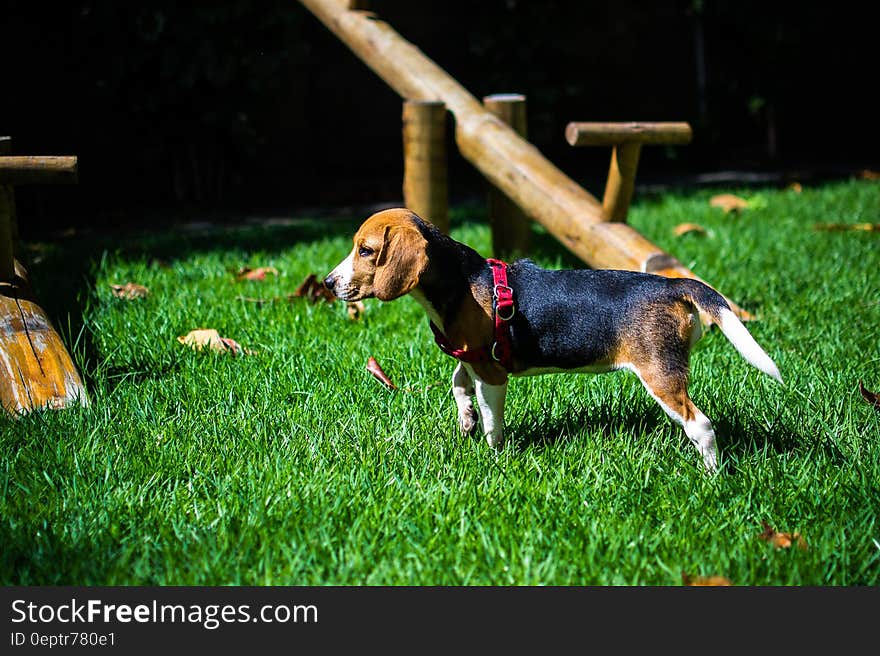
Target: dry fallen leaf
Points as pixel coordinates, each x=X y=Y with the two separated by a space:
x=306 y=285
x=210 y=338
x=129 y=291
x=871 y=397
x=729 y=203
x=314 y=290
x=697 y=580
x=374 y=368
x=246 y=273
x=844 y=227
x=781 y=540
x=355 y=309
x=685 y=228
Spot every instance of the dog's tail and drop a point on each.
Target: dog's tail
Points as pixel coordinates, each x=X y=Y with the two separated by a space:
x=708 y=301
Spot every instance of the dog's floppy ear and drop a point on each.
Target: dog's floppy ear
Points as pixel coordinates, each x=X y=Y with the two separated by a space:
x=400 y=263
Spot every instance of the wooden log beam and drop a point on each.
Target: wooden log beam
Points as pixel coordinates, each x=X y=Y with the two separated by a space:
x=18 y=170
x=508 y=161
x=510 y=226
x=611 y=134
x=425 y=185
x=7 y=222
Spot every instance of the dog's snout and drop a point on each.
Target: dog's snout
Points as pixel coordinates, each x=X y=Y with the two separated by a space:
x=330 y=282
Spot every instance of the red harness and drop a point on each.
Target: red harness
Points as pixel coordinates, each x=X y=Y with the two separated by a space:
x=503 y=308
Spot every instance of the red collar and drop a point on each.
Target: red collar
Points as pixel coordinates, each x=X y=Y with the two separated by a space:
x=503 y=308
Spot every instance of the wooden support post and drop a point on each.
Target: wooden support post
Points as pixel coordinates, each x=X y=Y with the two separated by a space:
x=621 y=180
x=7 y=255
x=18 y=171
x=510 y=226
x=7 y=222
x=425 y=186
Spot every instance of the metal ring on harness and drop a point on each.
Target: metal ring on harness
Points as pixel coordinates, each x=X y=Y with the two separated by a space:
x=509 y=295
x=492 y=352
x=507 y=318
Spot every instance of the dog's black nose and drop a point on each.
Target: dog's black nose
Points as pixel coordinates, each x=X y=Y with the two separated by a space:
x=329 y=282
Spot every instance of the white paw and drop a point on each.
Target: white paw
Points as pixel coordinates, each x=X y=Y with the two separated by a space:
x=495 y=439
x=710 y=460
x=467 y=420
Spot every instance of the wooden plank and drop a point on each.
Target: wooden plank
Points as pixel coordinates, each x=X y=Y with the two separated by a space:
x=18 y=170
x=611 y=134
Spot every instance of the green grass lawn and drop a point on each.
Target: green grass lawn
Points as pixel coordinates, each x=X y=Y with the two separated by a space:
x=294 y=466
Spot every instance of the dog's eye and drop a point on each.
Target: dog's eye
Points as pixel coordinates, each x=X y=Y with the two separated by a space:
x=365 y=251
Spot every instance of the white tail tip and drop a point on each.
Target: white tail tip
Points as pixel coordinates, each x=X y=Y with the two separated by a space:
x=743 y=342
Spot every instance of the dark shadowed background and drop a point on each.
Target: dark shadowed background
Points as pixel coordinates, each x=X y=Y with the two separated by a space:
x=255 y=106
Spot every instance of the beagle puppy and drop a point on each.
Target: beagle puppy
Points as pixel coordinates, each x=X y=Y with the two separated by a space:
x=545 y=321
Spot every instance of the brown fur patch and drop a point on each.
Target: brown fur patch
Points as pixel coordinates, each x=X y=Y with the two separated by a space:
x=398 y=256
x=657 y=344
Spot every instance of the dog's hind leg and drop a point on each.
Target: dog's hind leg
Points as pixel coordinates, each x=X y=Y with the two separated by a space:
x=669 y=389
x=700 y=432
x=462 y=391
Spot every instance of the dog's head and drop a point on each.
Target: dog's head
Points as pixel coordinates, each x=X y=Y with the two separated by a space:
x=387 y=260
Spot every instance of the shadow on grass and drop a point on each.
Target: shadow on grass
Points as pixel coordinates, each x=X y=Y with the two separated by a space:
x=50 y=560
x=543 y=431
x=738 y=434
x=741 y=436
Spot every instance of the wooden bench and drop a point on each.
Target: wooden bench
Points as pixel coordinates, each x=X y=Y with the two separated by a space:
x=626 y=140
x=36 y=370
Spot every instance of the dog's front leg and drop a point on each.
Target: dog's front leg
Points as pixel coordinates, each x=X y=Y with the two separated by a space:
x=462 y=391
x=490 y=398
